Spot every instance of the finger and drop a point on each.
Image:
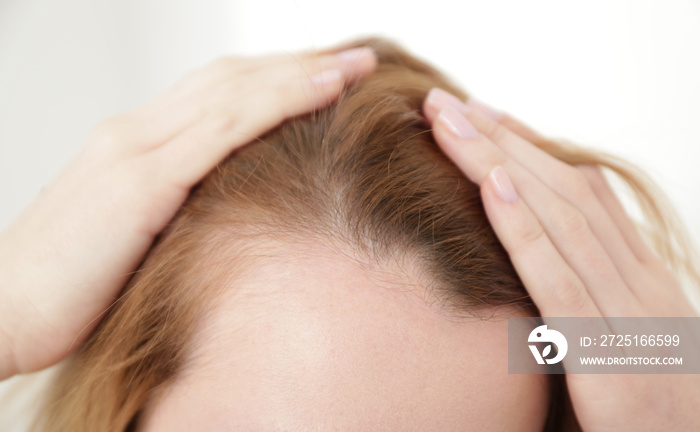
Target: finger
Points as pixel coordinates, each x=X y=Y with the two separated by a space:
x=554 y=287
x=192 y=153
x=223 y=68
x=353 y=64
x=160 y=123
x=662 y=291
x=516 y=126
x=212 y=74
x=576 y=189
x=614 y=207
x=233 y=68
x=438 y=98
x=565 y=225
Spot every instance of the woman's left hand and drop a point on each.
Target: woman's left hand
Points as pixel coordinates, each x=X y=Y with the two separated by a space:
x=577 y=253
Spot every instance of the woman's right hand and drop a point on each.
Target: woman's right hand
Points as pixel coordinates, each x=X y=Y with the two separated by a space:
x=66 y=258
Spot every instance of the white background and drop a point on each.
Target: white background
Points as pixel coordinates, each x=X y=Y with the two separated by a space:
x=621 y=76
x=614 y=75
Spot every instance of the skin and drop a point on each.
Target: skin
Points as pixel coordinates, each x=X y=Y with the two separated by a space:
x=63 y=261
x=347 y=348
x=566 y=219
x=67 y=256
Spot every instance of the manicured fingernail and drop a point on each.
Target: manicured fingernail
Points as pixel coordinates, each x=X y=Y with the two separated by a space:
x=326 y=77
x=485 y=109
x=439 y=99
x=457 y=123
x=503 y=185
x=355 y=55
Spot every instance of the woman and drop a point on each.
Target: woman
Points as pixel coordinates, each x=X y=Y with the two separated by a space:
x=339 y=272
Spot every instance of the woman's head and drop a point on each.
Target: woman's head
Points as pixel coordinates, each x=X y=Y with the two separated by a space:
x=313 y=338
x=337 y=272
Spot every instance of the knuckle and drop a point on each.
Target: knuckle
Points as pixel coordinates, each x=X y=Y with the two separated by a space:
x=529 y=238
x=569 y=222
x=496 y=132
x=284 y=93
x=108 y=132
x=572 y=296
x=223 y=120
x=223 y=67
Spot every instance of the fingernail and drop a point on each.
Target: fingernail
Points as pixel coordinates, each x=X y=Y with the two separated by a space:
x=355 y=55
x=457 y=123
x=326 y=77
x=503 y=185
x=439 y=98
x=485 y=109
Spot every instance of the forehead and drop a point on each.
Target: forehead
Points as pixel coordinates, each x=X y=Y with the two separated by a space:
x=320 y=343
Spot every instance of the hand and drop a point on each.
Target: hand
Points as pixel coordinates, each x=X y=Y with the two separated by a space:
x=577 y=253
x=65 y=259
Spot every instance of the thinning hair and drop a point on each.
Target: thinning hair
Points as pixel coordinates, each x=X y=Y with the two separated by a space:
x=364 y=172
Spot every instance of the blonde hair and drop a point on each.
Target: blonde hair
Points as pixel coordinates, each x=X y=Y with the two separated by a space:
x=365 y=172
